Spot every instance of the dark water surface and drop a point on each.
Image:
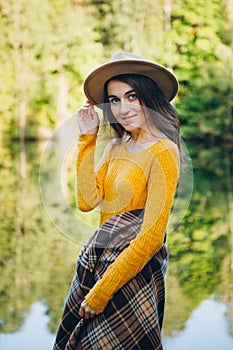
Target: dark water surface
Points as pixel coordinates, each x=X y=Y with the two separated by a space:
x=38 y=260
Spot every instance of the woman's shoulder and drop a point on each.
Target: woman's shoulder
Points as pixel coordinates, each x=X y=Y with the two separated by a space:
x=166 y=149
x=164 y=145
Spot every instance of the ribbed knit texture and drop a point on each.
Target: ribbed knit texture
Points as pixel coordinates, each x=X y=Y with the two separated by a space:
x=123 y=182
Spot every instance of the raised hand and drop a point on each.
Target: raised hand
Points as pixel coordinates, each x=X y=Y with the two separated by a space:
x=88 y=120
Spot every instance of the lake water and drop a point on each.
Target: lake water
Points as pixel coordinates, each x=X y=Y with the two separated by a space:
x=207 y=328
x=38 y=256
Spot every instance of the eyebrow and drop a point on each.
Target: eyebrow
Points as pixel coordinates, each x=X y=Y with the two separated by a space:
x=127 y=93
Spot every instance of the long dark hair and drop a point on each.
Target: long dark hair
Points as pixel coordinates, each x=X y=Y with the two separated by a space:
x=163 y=114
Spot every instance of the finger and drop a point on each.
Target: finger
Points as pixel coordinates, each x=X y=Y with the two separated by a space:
x=87 y=109
x=81 y=312
x=83 y=114
x=93 y=114
x=87 y=312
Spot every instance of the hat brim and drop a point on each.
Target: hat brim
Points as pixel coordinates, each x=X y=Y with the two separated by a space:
x=95 y=81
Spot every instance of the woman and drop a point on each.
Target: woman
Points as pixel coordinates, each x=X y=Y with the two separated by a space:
x=116 y=300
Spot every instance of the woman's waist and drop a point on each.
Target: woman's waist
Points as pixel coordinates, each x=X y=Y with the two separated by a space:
x=105 y=215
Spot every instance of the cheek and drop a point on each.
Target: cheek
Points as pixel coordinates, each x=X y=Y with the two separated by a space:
x=137 y=108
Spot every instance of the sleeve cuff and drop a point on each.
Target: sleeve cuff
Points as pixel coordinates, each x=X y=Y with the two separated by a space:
x=87 y=137
x=97 y=303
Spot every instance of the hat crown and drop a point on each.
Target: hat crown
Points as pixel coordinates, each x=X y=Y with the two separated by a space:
x=122 y=55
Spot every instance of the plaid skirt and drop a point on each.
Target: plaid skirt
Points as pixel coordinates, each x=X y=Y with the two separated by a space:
x=133 y=317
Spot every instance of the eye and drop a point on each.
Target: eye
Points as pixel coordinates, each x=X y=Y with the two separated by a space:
x=133 y=97
x=114 y=100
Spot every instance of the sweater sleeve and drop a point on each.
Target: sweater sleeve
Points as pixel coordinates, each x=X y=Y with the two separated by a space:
x=162 y=183
x=89 y=184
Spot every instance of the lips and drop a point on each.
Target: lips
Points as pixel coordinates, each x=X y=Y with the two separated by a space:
x=129 y=118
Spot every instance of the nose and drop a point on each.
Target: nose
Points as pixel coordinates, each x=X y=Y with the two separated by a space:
x=124 y=108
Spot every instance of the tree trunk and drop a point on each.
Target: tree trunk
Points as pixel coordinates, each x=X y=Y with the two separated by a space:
x=62 y=132
x=22 y=128
x=62 y=101
x=167 y=28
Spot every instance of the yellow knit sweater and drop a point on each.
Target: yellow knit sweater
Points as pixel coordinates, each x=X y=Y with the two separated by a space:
x=126 y=181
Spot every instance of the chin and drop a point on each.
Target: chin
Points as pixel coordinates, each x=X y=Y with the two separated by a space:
x=130 y=127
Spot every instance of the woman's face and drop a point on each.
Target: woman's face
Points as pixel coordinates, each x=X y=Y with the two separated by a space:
x=126 y=106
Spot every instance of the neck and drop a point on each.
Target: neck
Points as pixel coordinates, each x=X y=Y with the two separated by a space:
x=144 y=136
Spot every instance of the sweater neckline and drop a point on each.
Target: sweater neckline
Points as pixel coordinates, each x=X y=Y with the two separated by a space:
x=144 y=147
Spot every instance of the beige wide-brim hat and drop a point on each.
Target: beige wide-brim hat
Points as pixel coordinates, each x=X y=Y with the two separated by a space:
x=128 y=63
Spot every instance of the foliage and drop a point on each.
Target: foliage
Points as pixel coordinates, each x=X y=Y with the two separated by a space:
x=41 y=44
x=200 y=242
x=31 y=249
x=48 y=47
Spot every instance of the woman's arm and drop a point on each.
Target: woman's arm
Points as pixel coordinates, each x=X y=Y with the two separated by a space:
x=161 y=188
x=89 y=184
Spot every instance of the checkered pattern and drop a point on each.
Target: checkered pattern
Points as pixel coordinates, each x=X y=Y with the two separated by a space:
x=133 y=318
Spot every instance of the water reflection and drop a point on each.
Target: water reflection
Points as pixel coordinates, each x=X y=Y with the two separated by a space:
x=38 y=262
x=207 y=328
x=34 y=333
